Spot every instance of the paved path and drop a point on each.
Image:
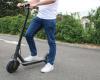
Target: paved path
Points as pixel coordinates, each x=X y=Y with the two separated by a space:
x=72 y=63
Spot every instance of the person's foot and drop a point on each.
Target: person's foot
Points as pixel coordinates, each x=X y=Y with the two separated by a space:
x=47 y=68
x=33 y=58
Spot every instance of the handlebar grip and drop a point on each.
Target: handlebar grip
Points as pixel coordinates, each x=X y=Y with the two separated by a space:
x=27 y=5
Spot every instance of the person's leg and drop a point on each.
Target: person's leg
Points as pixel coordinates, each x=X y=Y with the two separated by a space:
x=33 y=28
x=50 y=29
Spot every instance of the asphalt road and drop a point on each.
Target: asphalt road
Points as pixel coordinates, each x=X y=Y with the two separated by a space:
x=72 y=63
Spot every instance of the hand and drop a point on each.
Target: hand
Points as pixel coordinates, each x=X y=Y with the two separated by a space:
x=20 y=5
x=33 y=6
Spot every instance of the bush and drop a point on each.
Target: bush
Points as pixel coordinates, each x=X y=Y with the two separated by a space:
x=41 y=34
x=87 y=35
x=96 y=37
x=12 y=25
x=68 y=29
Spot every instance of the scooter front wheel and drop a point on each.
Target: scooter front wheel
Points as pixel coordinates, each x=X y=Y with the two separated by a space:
x=12 y=66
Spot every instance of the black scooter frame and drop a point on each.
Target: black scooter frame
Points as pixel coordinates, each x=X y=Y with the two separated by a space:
x=13 y=65
x=17 y=54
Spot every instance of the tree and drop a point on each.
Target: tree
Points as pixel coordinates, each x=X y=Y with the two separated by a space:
x=9 y=8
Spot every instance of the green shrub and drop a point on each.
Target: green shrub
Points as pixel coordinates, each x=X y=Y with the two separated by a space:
x=68 y=29
x=96 y=37
x=41 y=34
x=87 y=35
x=12 y=25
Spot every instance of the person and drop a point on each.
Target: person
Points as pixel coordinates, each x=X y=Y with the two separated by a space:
x=46 y=19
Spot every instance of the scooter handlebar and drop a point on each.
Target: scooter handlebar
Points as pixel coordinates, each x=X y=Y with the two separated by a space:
x=26 y=5
x=23 y=5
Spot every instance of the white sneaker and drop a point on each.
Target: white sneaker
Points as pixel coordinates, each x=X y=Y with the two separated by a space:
x=47 y=68
x=33 y=58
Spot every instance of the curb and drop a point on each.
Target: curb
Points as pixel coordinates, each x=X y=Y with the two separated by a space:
x=86 y=46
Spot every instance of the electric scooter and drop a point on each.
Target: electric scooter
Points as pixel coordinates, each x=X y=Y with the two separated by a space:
x=13 y=65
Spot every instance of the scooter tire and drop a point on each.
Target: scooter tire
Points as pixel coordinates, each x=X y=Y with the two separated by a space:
x=12 y=66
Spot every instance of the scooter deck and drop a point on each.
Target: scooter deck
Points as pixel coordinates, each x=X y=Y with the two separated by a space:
x=31 y=62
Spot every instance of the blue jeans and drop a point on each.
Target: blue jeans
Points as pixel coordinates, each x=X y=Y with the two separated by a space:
x=50 y=28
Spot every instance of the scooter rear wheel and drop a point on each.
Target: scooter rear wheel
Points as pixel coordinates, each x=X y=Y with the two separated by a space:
x=12 y=66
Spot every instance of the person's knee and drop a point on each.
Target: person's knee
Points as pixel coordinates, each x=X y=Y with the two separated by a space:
x=27 y=35
x=52 y=42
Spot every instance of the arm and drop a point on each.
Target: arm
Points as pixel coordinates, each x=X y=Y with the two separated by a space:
x=41 y=2
x=45 y=2
x=36 y=3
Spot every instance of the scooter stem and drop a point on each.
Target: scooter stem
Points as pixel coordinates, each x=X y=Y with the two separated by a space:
x=21 y=35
